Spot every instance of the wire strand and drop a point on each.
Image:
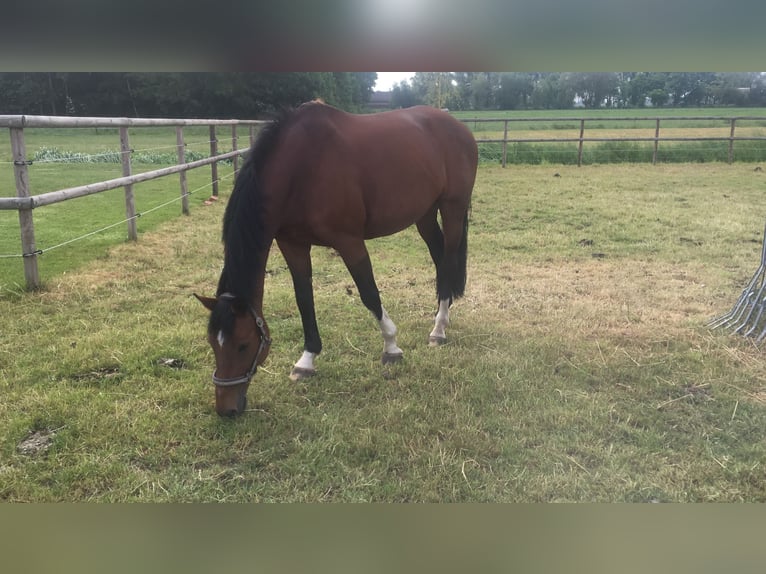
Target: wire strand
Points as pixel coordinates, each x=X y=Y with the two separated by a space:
x=124 y=221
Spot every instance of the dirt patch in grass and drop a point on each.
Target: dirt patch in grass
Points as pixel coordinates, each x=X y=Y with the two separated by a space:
x=36 y=442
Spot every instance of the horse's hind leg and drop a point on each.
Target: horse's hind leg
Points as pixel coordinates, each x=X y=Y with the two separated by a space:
x=448 y=249
x=429 y=230
x=357 y=260
x=450 y=267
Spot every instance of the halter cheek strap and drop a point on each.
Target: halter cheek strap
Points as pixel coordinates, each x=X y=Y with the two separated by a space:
x=265 y=342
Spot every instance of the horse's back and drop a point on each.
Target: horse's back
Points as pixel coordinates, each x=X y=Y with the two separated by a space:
x=418 y=139
x=382 y=171
x=423 y=127
x=408 y=132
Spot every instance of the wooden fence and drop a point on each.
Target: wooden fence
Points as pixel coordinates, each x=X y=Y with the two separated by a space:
x=25 y=203
x=507 y=138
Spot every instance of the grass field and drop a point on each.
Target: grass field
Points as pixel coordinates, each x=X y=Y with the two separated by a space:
x=578 y=369
x=607 y=123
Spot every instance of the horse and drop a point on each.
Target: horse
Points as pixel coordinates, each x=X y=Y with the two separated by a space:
x=320 y=176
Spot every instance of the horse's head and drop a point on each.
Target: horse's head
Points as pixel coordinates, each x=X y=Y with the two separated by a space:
x=240 y=341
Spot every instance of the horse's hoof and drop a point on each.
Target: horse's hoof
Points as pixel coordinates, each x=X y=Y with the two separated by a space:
x=391 y=358
x=436 y=341
x=298 y=374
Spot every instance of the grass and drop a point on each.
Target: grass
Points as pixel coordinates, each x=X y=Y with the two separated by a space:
x=646 y=115
x=578 y=369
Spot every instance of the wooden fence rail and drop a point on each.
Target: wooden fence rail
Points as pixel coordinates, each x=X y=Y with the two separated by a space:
x=25 y=202
x=505 y=140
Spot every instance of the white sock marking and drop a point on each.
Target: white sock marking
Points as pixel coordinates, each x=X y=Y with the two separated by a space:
x=442 y=320
x=306 y=361
x=388 y=330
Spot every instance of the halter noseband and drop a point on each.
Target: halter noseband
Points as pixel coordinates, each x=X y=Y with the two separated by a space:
x=265 y=342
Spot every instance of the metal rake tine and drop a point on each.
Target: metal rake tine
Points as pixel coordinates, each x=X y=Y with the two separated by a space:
x=737 y=323
x=746 y=299
x=719 y=321
x=746 y=303
x=763 y=248
x=761 y=336
x=757 y=318
x=716 y=322
x=757 y=298
x=740 y=311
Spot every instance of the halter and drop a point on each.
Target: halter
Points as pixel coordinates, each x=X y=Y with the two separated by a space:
x=265 y=342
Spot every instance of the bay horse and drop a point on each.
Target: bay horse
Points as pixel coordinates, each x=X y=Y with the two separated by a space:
x=321 y=176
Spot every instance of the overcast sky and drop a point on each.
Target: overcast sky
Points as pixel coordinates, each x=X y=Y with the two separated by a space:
x=387 y=80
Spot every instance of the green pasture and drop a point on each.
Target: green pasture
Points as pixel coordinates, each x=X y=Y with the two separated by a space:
x=579 y=367
x=607 y=123
x=545 y=119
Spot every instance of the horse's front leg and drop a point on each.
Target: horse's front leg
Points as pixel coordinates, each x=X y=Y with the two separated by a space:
x=298 y=258
x=357 y=261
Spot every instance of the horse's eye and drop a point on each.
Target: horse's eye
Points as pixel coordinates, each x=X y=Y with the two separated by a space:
x=242 y=348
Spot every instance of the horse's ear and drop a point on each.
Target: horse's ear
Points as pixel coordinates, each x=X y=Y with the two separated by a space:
x=208 y=302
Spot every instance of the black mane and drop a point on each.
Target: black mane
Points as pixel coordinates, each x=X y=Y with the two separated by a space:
x=243 y=229
x=243 y=234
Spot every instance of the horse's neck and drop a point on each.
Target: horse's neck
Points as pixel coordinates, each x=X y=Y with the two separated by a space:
x=249 y=288
x=256 y=297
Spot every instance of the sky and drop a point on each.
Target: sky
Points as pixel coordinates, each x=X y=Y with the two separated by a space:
x=387 y=80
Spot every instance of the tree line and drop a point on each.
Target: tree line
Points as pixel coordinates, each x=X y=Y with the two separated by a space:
x=257 y=95
x=183 y=94
x=520 y=91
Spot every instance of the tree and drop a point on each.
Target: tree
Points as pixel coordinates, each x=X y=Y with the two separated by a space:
x=659 y=97
x=198 y=94
x=757 y=93
x=689 y=88
x=594 y=88
x=404 y=96
x=434 y=88
x=637 y=88
x=515 y=91
x=553 y=91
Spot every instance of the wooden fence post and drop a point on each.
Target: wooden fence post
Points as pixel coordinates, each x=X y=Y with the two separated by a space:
x=656 y=141
x=26 y=223
x=505 y=142
x=181 y=145
x=214 y=165
x=235 y=159
x=579 y=147
x=731 y=140
x=130 y=205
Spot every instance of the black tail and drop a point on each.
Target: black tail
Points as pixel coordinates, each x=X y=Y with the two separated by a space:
x=462 y=254
x=451 y=271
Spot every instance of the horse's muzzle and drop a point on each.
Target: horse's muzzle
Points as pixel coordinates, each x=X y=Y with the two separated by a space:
x=231 y=402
